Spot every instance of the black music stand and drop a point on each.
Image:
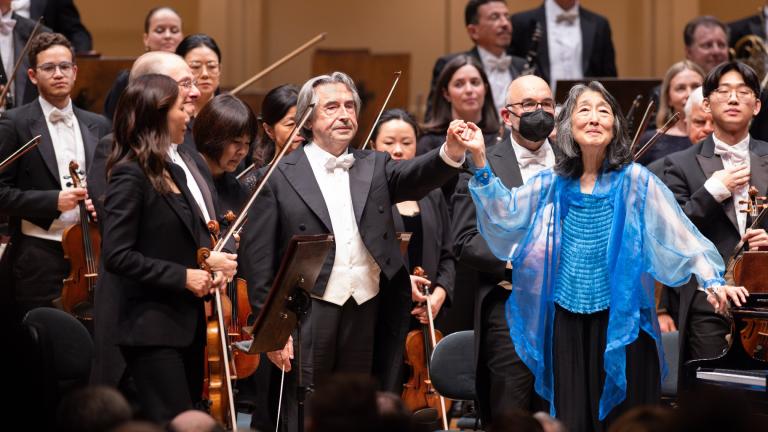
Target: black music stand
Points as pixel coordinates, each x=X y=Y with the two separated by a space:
x=289 y=302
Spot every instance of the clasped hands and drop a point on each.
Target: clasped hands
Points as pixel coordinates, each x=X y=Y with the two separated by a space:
x=224 y=267
x=465 y=136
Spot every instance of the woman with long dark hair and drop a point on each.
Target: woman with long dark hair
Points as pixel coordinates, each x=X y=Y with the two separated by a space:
x=153 y=229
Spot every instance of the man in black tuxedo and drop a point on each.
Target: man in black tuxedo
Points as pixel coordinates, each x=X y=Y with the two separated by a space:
x=18 y=29
x=502 y=379
x=708 y=181
x=62 y=16
x=489 y=28
x=35 y=191
x=362 y=298
x=575 y=43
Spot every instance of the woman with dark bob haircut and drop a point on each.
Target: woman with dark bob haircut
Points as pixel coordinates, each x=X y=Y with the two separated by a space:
x=276 y=121
x=224 y=132
x=203 y=56
x=586 y=241
x=153 y=228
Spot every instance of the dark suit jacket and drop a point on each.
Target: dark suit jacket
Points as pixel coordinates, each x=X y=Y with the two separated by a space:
x=470 y=247
x=685 y=174
x=24 y=91
x=437 y=258
x=62 y=16
x=598 y=56
x=515 y=68
x=291 y=204
x=148 y=245
x=751 y=25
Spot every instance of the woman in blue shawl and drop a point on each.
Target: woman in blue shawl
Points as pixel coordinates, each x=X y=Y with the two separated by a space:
x=586 y=242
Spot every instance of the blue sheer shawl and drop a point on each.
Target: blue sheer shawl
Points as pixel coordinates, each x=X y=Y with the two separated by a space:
x=651 y=239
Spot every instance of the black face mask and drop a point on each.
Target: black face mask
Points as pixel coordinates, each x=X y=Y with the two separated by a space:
x=536 y=125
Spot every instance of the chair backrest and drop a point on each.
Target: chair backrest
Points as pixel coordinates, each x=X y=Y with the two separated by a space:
x=452 y=369
x=671 y=344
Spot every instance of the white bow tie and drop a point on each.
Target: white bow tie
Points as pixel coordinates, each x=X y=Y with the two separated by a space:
x=7 y=25
x=568 y=18
x=61 y=116
x=733 y=153
x=500 y=64
x=343 y=162
x=530 y=158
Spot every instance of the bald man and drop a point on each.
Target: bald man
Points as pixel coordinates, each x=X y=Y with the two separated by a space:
x=503 y=381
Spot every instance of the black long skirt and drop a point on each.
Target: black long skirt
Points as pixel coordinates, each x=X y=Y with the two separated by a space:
x=579 y=344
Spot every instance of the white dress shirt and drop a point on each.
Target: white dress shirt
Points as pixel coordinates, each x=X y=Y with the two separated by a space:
x=355 y=273
x=21 y=7
x=497 y=70
x=564 y=43
x=68 y=146
x=530 y=163
x=735 y=155
x=194 y=188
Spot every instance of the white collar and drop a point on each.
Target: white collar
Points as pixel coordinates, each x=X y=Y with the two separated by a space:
x=555 y=9
x=48 y=107
x=317 y=154
x=521 y=151
x=741 y=145
x=485 y=54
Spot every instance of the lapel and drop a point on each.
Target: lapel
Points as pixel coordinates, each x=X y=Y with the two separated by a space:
x=178 y=176
x=504 y=164
x=428 y=221
x=38 y=126
x=297 y=170
x=709 y=163
x=89 y=135
x=360 y=179
x=543 y=55
x=200 y=181
x=588 y=29
x=758 y=165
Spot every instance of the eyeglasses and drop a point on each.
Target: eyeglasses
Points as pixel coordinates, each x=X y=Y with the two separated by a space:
x=50 y=68
x=743 y=93
x=532 y=105
x=187 y=83
x=212 y=67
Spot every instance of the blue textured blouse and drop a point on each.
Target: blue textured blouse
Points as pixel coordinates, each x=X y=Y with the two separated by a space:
x=650 y=238
x=582 y=285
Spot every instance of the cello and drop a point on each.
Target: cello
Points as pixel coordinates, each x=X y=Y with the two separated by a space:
x=418 y=393
x=82 y=246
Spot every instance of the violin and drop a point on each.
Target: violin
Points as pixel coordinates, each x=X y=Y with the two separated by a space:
x=748 y=269
x=82 y=246
x=418 y=393
x=219 y=368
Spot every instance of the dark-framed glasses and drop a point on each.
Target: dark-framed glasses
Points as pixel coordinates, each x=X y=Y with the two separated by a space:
x=532 y=105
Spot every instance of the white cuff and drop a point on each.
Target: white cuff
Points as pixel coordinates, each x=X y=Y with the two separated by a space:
x=717 y=189
x=447 y=159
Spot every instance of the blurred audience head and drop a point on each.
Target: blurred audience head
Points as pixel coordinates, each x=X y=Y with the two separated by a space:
x=343 y=403
x=92 y=409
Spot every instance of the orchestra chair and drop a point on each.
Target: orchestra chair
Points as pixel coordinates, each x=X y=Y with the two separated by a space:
x=58 y=353
x=452 y=371
x=671 y=343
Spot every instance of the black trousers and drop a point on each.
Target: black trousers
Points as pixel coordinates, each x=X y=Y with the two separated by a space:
x=508 y=380
x=39 y=269
x=579 y=342
x=334 y=339
x=706 y=329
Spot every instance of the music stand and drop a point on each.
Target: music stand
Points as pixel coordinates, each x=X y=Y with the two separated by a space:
x=289 y=302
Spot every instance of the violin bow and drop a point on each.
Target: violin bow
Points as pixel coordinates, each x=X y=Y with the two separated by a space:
x=381 y=111
x=20 y=152
x=278 y=63
x=643 y=125
x=23 y=54
x=644 y=149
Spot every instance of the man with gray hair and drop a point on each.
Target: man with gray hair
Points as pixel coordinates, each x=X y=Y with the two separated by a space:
x=362 y=297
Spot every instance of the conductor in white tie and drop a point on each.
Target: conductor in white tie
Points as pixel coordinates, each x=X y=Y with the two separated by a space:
x=362 y=298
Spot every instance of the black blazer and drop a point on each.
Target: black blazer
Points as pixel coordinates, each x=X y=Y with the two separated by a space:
x=751 y=25
x=30 y=187
x=685 y=173
x=470 y=247
x=597 y=54
x=437 y=258
x=515 y=68
x=63 y=17
x=292 y=203
x=147 y=247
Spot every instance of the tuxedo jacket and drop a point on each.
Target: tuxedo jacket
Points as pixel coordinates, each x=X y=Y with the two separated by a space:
x=63 y=17
x=597 y=55
x=515 y=68
x=291 y=203
x=685 y=174
x=470 y=247
x=751 y=25
x=437 y=258
x=24 y=91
